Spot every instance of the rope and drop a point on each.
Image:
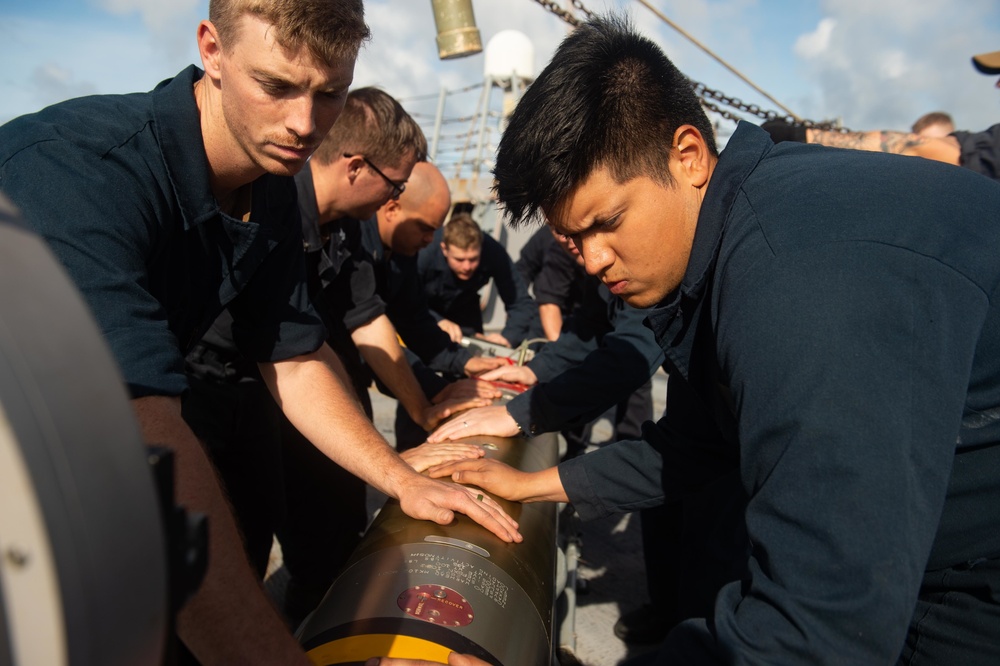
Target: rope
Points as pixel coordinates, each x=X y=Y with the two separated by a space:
x=712 y=55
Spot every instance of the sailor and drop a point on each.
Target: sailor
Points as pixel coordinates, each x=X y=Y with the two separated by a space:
x=166 y=207
x=554 y=278
x=836 y=317
x=457 y=264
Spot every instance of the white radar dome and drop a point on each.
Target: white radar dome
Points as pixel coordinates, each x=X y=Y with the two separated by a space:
x=509 y=53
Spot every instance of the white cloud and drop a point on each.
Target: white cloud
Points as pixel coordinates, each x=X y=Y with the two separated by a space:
x=889 y=62
x=815 y=44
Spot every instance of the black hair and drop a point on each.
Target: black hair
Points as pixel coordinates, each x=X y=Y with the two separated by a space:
x=610 y=98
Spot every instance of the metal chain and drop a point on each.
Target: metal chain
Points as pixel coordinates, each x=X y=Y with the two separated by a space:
x=764 y=114
x=701 y=89
x=554 y=8
x=586 y=12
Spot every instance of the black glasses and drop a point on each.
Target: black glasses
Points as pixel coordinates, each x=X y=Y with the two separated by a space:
x=397 y=188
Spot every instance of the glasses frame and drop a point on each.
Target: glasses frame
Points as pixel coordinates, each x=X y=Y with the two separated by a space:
x=397 y=188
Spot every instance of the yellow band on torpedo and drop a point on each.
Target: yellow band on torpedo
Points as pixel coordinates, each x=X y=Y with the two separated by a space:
x=362 y=648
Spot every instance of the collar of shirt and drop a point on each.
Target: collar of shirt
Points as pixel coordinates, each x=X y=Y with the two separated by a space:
x=177 y=120
x=745 y=149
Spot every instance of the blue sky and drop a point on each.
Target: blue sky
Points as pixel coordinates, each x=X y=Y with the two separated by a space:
x=874 y=65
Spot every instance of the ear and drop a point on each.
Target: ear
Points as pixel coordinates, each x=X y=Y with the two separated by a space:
x=353 y=166
x=210 y=49
x=444 y=248
x=691 y=155
x=390 y=209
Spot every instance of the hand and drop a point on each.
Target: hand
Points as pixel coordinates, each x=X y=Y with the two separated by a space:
x=430 y=454
x=427 y=499
x=480 y=364
x=454 y=659
x=493 y=421
x=495 y=338
x=784 y=131
x=438 y=412
x=452 y=329
x=489 y=474
x=465 y=389
x=515 y=374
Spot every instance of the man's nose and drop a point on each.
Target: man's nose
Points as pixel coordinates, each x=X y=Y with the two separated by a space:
x=301 y=118
x=596 y=257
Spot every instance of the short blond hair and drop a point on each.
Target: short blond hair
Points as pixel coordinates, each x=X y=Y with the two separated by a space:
x=332 y=30
x=462 y=232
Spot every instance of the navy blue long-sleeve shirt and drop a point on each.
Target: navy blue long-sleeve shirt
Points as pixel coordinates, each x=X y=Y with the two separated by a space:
x=118 y=185
x=531 y=259
x=603 y=355
x=839 y=322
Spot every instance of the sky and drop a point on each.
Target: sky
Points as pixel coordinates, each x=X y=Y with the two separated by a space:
x=870 y=65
